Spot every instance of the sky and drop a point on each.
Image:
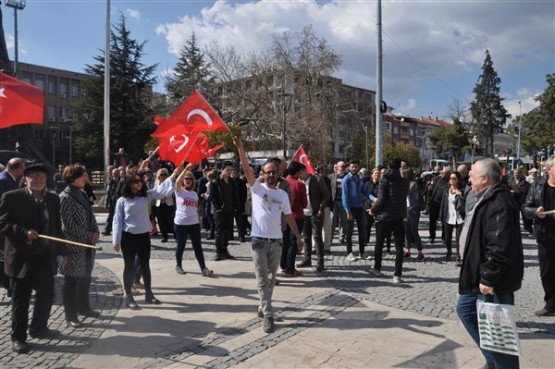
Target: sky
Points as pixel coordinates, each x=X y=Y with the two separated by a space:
x=433 y=50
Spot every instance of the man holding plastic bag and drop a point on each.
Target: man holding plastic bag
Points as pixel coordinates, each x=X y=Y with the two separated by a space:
x=492 y=264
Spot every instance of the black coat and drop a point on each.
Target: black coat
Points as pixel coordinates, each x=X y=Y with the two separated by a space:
x=219 y=198
x=493 y=252
x=18 y=214
x=392 y=197
x=534 y=199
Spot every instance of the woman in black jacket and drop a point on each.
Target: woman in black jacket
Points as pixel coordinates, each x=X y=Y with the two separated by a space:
x=451 y=214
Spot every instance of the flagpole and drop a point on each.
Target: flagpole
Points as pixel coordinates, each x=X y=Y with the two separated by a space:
x=56 y=239
x=107 y=95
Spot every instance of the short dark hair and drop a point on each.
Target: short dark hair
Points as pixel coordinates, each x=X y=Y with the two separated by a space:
x=128 y=182
x=354 y=161
x=394 y=163
x=72 y=172
x=295 y=167
x=275 y=160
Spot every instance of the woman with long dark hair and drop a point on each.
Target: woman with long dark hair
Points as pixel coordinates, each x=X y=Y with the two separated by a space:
x=452 y=214
x=79 y=225
x=131 y=229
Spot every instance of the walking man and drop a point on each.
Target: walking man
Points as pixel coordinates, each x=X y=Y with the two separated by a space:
x=491 y=249
x=339 y=215
x=31 y=262
x=268 y=203
x=541 y=198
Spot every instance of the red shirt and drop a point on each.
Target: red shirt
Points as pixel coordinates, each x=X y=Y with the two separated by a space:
x=298 y=194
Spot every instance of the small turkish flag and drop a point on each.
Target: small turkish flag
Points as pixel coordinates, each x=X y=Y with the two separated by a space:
x=301 y=157
x=194 y=115
x=191 y=147
x=20 y=102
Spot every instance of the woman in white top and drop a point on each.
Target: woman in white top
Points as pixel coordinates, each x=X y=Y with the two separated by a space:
x=451 y=213
x=165 y=207
x=131 y=227
x=187 y=221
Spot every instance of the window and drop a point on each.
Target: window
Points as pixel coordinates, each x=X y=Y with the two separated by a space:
x=63 y=113
x=40 y=84
x=51 y=86
x=75 y=90
x=395 y=130
x=63 y=88
x=412 y=131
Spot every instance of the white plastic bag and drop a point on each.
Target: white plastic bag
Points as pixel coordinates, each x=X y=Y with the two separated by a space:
x=496 y=324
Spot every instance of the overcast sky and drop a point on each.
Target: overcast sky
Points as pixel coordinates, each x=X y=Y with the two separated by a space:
x=433 y=51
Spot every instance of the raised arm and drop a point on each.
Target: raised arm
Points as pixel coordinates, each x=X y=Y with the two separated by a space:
x=244 y=161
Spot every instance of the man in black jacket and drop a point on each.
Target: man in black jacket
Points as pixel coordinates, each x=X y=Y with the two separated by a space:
x=491 y=249
x=541 y=198
x=389 y=211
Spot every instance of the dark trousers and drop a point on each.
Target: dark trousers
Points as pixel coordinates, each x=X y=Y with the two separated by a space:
x=411 y=229
x=398 y=229
x=241 y=222
x=182 y=232
x=40 y=278
x=448 y=236
x=340 y=216
x=312 y=226
x=546 y=256
x=434 y=216
x=136 y=245
x=224 y=224
x=289 y=249
x=165 y=214
x=369 y=224
x=76 y=292
x=111 y=212
x=360 y=218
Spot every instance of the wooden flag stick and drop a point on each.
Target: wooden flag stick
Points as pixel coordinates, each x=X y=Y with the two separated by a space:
x=56 y=239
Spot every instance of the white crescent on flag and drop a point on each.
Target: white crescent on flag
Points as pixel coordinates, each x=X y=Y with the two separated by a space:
x=202 y=113
x=174 y=140
x=304 y=159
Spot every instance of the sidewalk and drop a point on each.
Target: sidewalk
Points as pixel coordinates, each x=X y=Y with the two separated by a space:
x=342 y=318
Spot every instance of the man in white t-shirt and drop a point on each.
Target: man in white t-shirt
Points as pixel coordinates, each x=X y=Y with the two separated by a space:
x=268 y=203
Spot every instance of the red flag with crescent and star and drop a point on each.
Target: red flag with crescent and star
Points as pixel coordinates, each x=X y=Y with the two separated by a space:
x=194 y=115
x=190 y=147
x=301 y=157
x=20 y=102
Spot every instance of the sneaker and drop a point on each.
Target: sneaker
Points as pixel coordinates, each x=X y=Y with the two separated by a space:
x=369 y=257
x=207 y=272
x=351 y=257
x=179 y=270
x=420 y=256
x=396 y=279
x=138 y=285
x=458 y=262
x=544 y=312
x=304 y=264
x=260 y=314
x=363 y=256
x=268 y=326
x=375 y=272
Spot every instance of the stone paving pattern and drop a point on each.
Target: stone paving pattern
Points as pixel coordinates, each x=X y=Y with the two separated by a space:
x=429 y=289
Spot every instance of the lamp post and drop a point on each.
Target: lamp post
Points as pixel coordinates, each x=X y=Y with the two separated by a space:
x=473 y=142
x=287 y=100
x=16 y=5
x=519 y=129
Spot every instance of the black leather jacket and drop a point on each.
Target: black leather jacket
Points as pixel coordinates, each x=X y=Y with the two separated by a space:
x=534 y=199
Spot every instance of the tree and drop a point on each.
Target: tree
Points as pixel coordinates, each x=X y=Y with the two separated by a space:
x=452 y=142
x=488 y=113
x=190 y=73
x=537 y=125
x=131 y=100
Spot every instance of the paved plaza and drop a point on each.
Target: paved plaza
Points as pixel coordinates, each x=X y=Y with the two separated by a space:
x=341 y=318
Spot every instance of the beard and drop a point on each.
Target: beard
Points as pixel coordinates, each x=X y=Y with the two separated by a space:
x=271 y=181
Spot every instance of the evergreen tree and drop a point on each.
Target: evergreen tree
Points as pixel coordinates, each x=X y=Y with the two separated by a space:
x=488 y=113
x=189 y=74
x=537 y=125
x=451 y=142
x=131 y=112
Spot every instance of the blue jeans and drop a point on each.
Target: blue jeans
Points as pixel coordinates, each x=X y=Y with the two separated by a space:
x=182 y=232
x=466 y=310
x=266 y=254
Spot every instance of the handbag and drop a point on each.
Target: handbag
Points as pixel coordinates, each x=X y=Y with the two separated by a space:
x=496 y=325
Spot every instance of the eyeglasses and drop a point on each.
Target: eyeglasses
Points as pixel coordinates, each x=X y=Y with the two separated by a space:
x=271 y=172
x=188 y=179
x=163 y=174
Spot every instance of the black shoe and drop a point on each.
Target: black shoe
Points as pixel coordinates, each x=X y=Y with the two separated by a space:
x=227 y=255
x=131 y=304
x=268 y=326
x=232 y=238
x=432 y=240
x=320 y=268
x=74 y=323
x=211 y=237
x=19 y=347
x=90 y=313
x=304 y=264
x=164 y=240
x=342 y=241
x=106 y=233
x=544 y=312
x=218 y=258
x=242 y=239
x=45 y=333
x=152 y=300
x=260 y=314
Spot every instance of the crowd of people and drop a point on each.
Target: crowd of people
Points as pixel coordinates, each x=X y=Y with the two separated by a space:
x=286 y=211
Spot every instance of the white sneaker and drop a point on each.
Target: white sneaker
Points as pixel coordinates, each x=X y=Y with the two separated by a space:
x=375 y=272
x=396 y=279
x=363 y=256
x=369 y=257
x=351 y=257
x=207 y=272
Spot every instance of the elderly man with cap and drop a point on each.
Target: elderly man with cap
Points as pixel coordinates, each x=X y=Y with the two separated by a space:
x=31 y=262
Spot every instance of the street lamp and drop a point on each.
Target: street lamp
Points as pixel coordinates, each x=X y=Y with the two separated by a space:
x=519 y=129
x=16 y=5
x=287 y=100
x=473 y=143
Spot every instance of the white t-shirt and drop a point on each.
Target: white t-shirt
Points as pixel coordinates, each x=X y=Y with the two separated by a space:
x=186 y=211
x=267 y=206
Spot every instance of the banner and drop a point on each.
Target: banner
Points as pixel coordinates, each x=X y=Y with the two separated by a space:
x=20 y=102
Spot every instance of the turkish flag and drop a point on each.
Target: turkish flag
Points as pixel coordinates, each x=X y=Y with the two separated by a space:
x=20 y=102
x=194 y=115
x=191 y=147
x=301 y=157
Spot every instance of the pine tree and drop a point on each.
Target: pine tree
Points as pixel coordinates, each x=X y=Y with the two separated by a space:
x=131 y=113
x=189 y=74
x=488 y=113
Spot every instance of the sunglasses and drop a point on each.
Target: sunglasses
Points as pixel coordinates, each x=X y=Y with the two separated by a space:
x=188 y=178
x=136 y=181
x=163 y=175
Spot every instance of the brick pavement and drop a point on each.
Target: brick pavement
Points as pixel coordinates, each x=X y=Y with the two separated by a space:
x=429 y=291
